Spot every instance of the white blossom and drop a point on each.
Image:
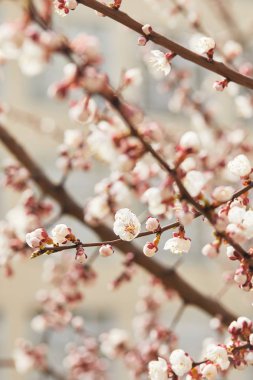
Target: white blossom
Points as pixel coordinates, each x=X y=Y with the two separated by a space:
x=240 y=278
x=59 y=233
x=178 y=245
x=190 y=140
x=38 y=324
x=101 y=145
x=158 y=369
x=209 y=371
x=126 y=225
x=230 y=252
x=160 y=61
x=194 y=182
x=210 y=251
x=23 y=362
x=218 y=355
x=120 y=193
x=240 y=166
x=204 y=45
x=97 y=207
x=152 y=224
x=232 y=49
x=188 y=164
x=249 y=357
x=153 y=197
x=244 y=106
x=73 y=138
x=113 y=341
x=223 y=193
x=180 y=362
x=35 y=238
x=247 y=223
x=244 y=322
x=32 y=58
x=236 y=214
x=11 y=41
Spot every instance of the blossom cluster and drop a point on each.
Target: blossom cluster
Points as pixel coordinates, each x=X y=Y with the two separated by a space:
x=216 y=358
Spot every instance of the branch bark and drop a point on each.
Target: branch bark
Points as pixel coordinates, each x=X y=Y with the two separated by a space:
x=214 y=66
x=169 y=278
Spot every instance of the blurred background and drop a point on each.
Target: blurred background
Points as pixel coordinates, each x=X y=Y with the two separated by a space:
x=38 y=123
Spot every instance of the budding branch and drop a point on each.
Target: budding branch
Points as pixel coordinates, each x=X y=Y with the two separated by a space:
x=214 y=66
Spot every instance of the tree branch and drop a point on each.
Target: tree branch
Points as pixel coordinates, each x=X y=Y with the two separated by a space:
x=214 y=66
x=169 y=278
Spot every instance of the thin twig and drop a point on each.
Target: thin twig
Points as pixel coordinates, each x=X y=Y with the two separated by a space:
x=214 y=66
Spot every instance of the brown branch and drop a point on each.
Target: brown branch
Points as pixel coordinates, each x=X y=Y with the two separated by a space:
x=60 y=248
x=169 y=278
x=214 y=66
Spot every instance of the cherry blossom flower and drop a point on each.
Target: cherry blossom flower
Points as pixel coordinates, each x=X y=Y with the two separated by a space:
x=178 y=245
x=244 y=106
x=181 y=363
x=11 y=40
x=204 y=45
x=60 y=233
x=126 y=225
x=114 y=342
x=240 y=277
x=194 y=182
x=223 y=193
x=190 y=140
x=240 y=166
x=236 y=214
x=73 y=138
x=32 y=58
x=36 y=238
x=160 y=61
x=23 y=362
x=210 y=250
x=209 y=371
x=26 y=357
x=158 y=369
x=218 y=355
x=153 y=197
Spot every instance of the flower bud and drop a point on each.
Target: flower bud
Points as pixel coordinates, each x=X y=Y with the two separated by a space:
x=106 y=250
x=149 y=249
x=152 y=224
